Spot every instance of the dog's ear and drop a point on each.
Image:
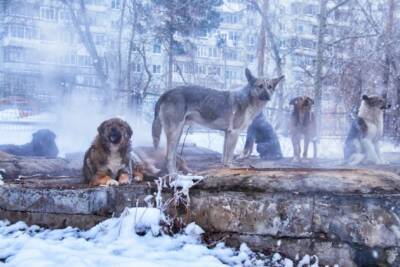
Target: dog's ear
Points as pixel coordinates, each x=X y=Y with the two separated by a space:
x=101 y=127
x=129 y=130
x=277 y=80
x=293 y=101
x=310 y=100
x=52 y=135
x=250 y=78
x=365 y=97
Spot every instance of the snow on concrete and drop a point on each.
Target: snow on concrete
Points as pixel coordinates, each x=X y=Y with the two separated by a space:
x=114 y=242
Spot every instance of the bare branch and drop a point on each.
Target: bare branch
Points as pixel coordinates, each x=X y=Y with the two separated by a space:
x=329 y=11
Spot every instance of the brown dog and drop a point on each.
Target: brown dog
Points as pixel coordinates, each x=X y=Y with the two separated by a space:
x=302 y=124
x=107 y=161
x=152 y=162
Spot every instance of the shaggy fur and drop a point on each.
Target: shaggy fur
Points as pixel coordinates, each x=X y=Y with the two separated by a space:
x=302 y=125
x=107 y=161
x=42 y=145
x=228 y=111
x=362 y=142
x=262 y=133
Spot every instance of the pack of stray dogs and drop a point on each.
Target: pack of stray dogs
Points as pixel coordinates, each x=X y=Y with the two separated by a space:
x=111 y=161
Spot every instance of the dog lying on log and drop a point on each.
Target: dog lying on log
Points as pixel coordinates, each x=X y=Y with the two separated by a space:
x=42 y=145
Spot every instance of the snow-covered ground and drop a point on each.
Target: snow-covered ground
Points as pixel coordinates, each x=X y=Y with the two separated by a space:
x=114 y=242
x=328 y=147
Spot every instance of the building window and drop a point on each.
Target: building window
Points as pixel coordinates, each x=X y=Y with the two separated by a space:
x=231 y=18
x=231 y=54
x=94 y=2
x=137 y=68
x=202 y=51
x=213 y=52
x=310 y=10
x=84 y=61
x=99 y=38
x=64 y=15
x=116 y=4
x=156 y=68
x=156 y=48
x=14 y=54
x=234 y=36
x=24 y=32
x=202 y=33
x=48 y=13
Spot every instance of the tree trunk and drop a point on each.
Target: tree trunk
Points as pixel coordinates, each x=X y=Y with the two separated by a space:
x=170 y=61
x=387 y=40
x=130 y=87
x=121 y=26
x=262 y=41
x=87 y=40
x=319 y=63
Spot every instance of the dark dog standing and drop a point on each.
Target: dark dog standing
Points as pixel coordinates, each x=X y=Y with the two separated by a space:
x=262 y=133
x=42 y=145
x=107 y=161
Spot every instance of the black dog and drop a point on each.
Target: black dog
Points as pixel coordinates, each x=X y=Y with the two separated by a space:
x=42 y=145
x=262 y=133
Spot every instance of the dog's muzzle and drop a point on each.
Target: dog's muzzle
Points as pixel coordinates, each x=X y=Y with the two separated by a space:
x=114 y=136
x=388 y=106
x=264 y=96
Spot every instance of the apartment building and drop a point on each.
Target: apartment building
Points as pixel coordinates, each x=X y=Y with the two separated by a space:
x=41 y=53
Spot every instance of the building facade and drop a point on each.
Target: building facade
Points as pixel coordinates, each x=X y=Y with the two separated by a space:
x=41 y=53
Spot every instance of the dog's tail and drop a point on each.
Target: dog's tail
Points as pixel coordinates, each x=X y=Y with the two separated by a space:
x=156 y=127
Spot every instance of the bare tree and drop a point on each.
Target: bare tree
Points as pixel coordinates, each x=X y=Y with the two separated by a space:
x=81 y=24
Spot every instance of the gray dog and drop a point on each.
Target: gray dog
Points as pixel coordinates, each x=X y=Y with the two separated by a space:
x=228 y=111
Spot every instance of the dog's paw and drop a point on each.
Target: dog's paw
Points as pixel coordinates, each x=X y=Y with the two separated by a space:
x=138 y=178
x=112 y=182
x=242 y=156
x=382 y=162
x=153 y=170
x=296 y=160
x=123 y=178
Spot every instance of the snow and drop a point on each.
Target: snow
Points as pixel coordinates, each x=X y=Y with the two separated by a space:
x=115 y=242
x=328 y=147
x=185 y=182
x=20 y=116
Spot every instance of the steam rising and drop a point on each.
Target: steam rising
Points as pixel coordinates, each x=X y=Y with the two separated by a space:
x=78 y=117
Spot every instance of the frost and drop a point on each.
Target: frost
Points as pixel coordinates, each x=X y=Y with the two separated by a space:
x=115 y=242
x=193 y=229
x=185 y=182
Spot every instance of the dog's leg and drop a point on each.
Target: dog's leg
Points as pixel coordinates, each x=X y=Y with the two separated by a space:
x=378 y=152
x=315 y=149
x=173 y=137
x=306 y=143
x=102 y=178
x=231 y=138
x=369 y=150
x=296 y=148
x=225 y=148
